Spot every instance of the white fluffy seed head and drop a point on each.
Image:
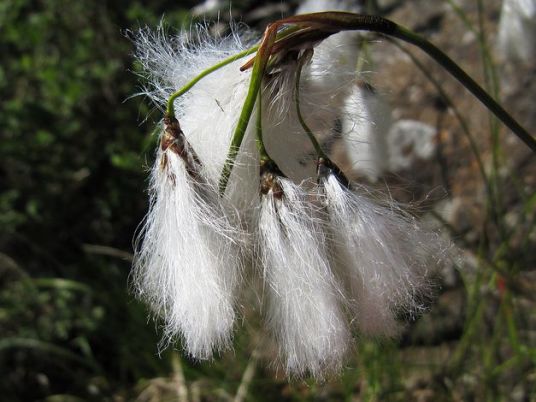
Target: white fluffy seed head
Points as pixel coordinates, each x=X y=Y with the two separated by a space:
x=208 y=112
x=188 y=265
x=386 y=260
x=187 y=260
x=304 y=311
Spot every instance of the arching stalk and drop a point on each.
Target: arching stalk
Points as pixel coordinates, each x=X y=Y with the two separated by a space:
x=305 y=31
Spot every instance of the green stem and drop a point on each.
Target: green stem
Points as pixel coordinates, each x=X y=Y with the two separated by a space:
x=170 y=109
x=320 y=152
x=479 y=34
x=449 y=65
x=243 y=120
x=465 y=127
x=260 y=143
x=492 y=86
x=240 y=130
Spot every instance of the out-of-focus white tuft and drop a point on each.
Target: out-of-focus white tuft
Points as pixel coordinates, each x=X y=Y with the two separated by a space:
x=187 y=260
x=366 y=122
x=208 y=8
x=333 y=66
x=303 y=297
x=517 y=30
x=383 y=256
x=315 y=6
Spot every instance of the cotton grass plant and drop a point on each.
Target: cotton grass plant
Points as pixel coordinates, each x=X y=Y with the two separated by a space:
x=244 y=178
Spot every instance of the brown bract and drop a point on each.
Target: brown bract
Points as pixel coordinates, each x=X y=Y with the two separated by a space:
x=269 y=179
x=174 y=140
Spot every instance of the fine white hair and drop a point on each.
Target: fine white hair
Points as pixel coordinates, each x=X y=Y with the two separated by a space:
x=304 y=310
x=187 y=261
x=385 y=258
x=209 y=111
x=170 y=61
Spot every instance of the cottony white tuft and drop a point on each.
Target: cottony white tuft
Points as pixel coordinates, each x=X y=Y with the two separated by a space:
x=187 y=261
x=304 y=309
x=209 y=111
x=383 y=256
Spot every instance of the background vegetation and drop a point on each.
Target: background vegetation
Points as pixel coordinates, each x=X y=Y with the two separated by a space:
x=73 y=157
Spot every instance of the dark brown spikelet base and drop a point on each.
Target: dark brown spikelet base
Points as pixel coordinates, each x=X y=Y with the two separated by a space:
x=174 y=140
x=269 y=174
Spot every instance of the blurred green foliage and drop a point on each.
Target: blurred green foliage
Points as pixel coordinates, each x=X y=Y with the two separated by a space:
x=73 y=157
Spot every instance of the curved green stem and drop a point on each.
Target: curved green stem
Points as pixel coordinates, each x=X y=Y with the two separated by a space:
x=449 y=65
x=259 y=141
x=331 y=22
x=241 y=127
x=323 y=159
x=170 y=109
x=320 y=152
x=243 y=120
